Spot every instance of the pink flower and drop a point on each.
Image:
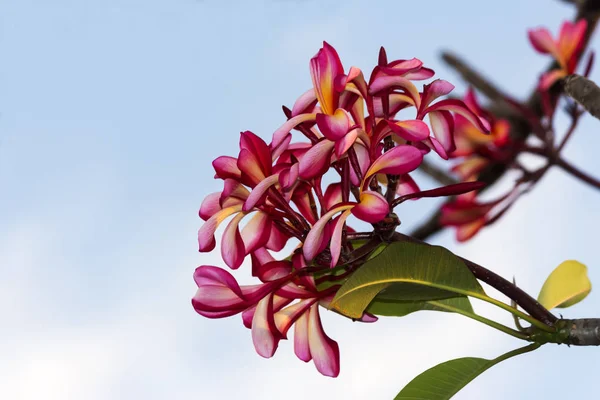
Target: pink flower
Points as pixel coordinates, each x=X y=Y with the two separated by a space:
x=274 y=194
x=566 y=49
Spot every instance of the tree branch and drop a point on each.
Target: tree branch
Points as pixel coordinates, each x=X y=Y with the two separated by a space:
x=585 y=92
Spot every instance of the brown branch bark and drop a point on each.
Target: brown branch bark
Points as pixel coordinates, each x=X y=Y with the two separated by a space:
x=585 y=92
x=583 y=332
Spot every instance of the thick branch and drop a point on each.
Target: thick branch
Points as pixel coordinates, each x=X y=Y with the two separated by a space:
x=583 y=332
x=585 y=92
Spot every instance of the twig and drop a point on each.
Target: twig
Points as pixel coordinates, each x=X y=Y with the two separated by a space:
x=571 y=169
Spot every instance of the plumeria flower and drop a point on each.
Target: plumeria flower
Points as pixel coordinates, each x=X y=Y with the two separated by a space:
x=268 y=311
x=351 y=165
x=566 y=49
x=478 y=150
x=469 y=215
x=403 y=93
x=371 y=207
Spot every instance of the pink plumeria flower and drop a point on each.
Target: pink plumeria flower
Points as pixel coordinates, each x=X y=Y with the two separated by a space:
x=269 y=310
x=275 y=195
x=440 y=113
x=566 y=49
x=469 y=215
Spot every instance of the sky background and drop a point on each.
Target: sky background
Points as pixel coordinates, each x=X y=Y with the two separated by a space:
x=110 y=114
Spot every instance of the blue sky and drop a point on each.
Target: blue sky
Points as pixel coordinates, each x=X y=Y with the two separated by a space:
x=110 y=114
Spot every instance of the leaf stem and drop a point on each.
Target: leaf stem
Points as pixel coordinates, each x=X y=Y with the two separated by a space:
x=483 y=320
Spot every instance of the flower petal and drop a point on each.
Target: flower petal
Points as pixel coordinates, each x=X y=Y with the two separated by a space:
x=470 y=168
x=383 y=83
x=220 y=295
x=285 y=318
x=467 y=231
x=542 y=41
x=333 y=195
x=265 y=335
x=289 y=176
x=335 y=246
x=549 y=78
x=277 y=240
x=278 y=303
x=325 y=66
x=301 y=347
x=259 y=149
x=401 y=67
x=305 y=103
x=259 y=191
x=324 y=350
x=458 y=213
x=273 y=270
x=420 y=74
x=226 y=167
x=436 y=146
x=314 y=238
x=252 y=173
x=442 y=125
x=458 y=107
x=334 y=126
x=364 y=161
x=233 y=190
x=210 y=206
x=570 y=41
x=280 y=134
x=206 y=233
x=435 y=89
x=413 y=130
x=210 y=275
x=397 y=161
x=257 y=232
x=342 y=145
x=232 y=244
x=373 y=207
x=406 y=185
x=397 y=102
x=316 y=161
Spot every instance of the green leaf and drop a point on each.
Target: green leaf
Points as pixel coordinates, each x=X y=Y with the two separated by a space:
x=445 y=380
x=392 y=308
x=407 y=272
x=567 y=285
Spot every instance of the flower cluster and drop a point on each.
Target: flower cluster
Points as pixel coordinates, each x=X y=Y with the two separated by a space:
x=566 y=49
x=353 y=159
x=476 y=152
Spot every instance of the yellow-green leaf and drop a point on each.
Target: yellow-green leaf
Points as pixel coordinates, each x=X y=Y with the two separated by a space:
x=406 y=272
x=394 y=308
x=567 y=285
